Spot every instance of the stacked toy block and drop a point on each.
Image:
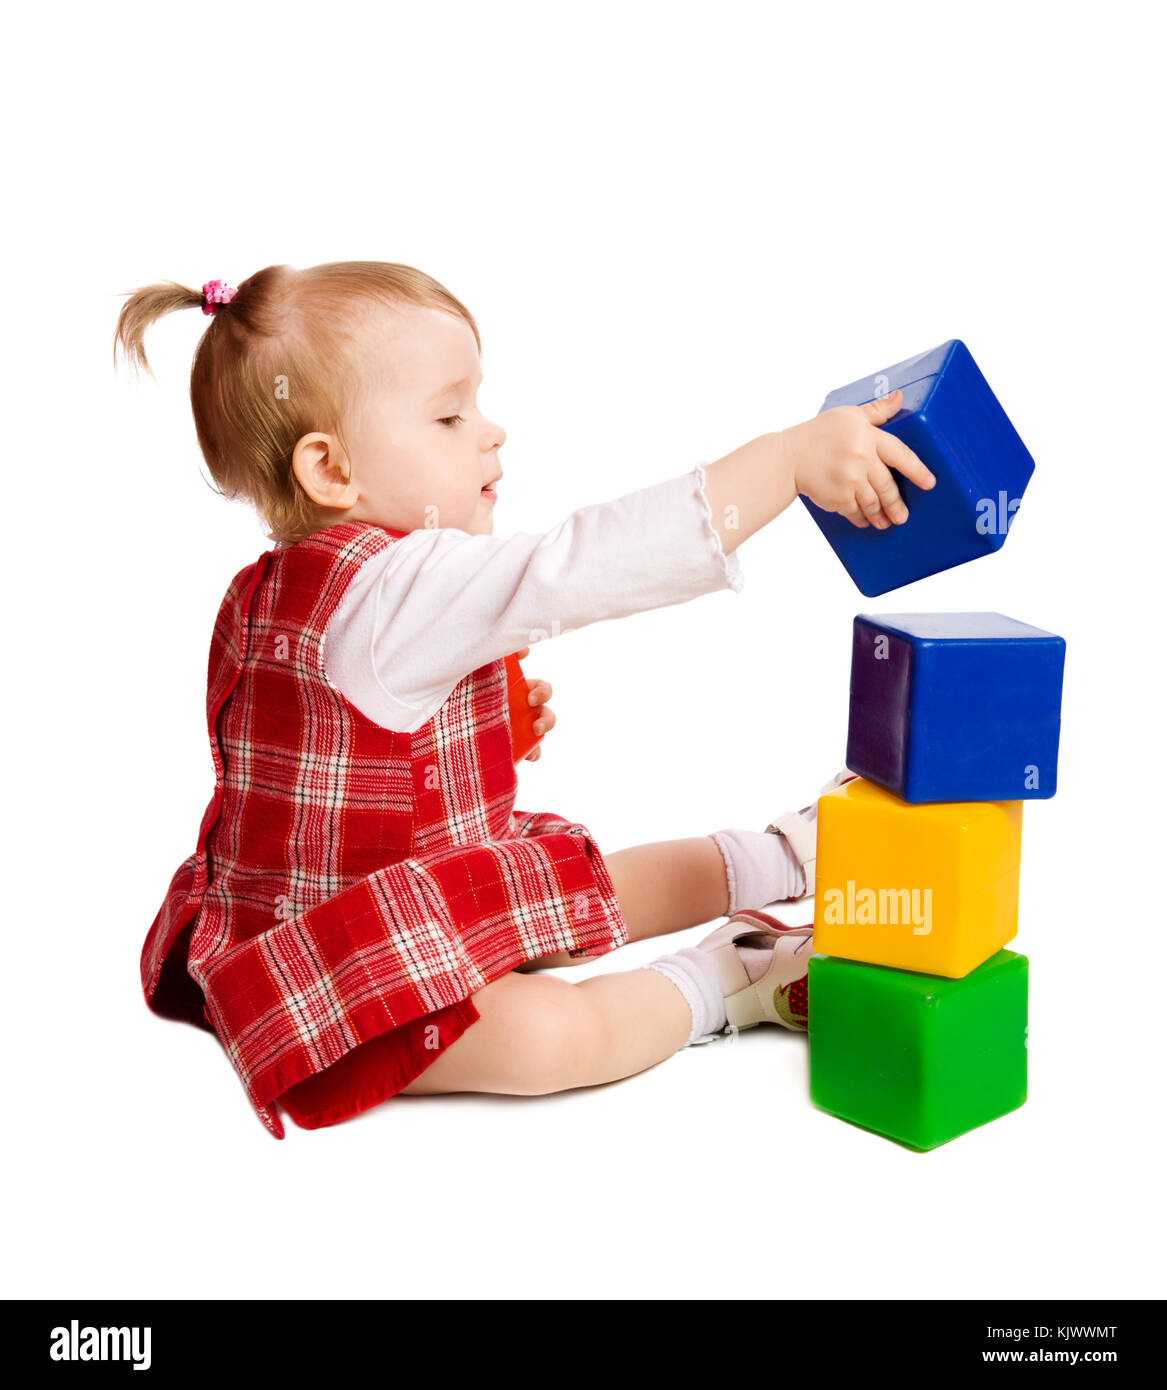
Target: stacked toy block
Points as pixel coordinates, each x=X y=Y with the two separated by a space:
x=918 y=1016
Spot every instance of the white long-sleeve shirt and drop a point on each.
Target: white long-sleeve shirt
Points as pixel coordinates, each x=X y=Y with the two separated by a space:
x=439 y=603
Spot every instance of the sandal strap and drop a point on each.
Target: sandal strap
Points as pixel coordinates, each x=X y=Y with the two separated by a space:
x=720 y=946
x=802 y=838
x=800 y=834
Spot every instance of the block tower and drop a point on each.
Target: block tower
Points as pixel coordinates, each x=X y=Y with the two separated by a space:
x=918 y=1015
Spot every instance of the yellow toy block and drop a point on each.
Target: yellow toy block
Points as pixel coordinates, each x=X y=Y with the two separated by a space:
x=930 y=888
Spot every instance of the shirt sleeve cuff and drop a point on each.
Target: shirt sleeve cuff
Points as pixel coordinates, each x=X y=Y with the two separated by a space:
x=730 y=564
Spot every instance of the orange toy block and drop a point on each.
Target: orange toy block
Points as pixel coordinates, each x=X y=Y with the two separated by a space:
x=523 y=715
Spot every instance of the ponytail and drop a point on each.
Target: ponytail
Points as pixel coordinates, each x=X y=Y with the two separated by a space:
x=143 y=308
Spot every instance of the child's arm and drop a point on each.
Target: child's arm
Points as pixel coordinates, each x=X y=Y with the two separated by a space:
x=841 y=460
x=439 y=603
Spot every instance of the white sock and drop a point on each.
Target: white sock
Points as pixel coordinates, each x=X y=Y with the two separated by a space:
x=695 y=974
x=760 y=868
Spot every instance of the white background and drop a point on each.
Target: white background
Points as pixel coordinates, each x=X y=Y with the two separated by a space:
x=678 y=226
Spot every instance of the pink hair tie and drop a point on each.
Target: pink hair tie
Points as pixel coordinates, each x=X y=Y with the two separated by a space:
x=216 y=294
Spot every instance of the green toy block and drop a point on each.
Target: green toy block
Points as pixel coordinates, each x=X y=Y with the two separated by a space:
x=918 y=1058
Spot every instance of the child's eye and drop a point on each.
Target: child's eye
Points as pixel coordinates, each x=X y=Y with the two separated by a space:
x=450 y=420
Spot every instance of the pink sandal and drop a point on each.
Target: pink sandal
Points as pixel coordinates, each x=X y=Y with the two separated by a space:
x=780 y=995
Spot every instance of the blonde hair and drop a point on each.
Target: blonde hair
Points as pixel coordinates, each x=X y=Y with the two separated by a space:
x=280 y=360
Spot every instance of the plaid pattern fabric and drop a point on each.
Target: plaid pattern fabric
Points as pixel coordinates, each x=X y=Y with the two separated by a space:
x=349 y=879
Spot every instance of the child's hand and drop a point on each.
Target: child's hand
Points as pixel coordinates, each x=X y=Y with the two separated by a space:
x=842 y=461
x=539 y=692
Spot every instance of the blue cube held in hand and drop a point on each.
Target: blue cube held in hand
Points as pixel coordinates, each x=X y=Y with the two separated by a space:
x=952 y=420
x=955 y=706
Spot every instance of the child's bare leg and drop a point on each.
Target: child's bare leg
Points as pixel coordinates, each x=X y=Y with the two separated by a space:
x=669 y=885
x=537 y=1034
x=661 y=887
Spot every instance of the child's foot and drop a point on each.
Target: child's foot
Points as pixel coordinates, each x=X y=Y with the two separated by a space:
x=776 y=865
x=762 y=965
x=799 y=830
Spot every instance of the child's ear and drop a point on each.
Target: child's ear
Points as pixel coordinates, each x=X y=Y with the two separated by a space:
x=322 y=470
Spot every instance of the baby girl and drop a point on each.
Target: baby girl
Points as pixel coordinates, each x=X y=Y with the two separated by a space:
x=365 y=912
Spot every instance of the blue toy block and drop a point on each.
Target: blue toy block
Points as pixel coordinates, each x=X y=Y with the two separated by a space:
x=953 y=421
x=955 y=706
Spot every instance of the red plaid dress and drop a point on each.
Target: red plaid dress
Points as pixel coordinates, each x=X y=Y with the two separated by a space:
x=352 y=887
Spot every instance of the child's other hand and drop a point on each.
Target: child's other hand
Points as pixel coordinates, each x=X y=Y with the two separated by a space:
x=842 y=461
x=538 y=693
